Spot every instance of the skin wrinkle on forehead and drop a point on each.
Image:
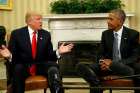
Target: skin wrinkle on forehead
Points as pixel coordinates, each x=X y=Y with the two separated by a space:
x=115 y=15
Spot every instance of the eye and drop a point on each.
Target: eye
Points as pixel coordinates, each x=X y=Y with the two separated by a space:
x=109 y=18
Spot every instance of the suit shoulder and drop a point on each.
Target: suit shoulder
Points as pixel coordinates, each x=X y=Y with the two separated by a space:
x=19 y=30
x=43 y=31
x=131 y=30
x=106 y=32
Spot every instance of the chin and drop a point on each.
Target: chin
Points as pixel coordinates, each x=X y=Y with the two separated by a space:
x=39 y=28
x=109 y=27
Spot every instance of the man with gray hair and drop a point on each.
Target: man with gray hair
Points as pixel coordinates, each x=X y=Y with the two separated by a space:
x=118 y=52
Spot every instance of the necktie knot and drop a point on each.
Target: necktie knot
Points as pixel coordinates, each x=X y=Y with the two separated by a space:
x=34 y=33
x=116 y=35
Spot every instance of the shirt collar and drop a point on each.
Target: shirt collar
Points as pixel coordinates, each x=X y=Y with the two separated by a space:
x=119 y=32
x=30 y=30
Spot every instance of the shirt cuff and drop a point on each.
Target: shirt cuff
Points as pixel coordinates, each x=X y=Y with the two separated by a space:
x=9 y=58
x=57 y=54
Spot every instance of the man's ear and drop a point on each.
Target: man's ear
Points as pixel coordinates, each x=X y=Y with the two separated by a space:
x=30 y=22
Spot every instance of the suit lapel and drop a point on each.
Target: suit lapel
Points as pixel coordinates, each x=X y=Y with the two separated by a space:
x=27 y=41
x=111 y=39
x=123 y=39
x=39 y=42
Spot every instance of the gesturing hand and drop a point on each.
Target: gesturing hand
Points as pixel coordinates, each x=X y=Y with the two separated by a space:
x=5 y=52
x=65 y=48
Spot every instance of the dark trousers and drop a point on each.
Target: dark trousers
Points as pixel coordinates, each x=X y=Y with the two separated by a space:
x=137 y=79
x=49 y=69
x=91 y=72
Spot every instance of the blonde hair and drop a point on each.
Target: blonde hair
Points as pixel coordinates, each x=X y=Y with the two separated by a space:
x=30 y=14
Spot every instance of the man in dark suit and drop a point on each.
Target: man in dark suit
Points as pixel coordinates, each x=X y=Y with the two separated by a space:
x=31 y=53
x=119 y=50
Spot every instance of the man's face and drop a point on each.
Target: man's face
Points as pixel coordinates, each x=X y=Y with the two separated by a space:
x=36 y=22
x=114 y=22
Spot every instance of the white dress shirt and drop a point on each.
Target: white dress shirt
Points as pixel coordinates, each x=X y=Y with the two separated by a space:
x=31 y=33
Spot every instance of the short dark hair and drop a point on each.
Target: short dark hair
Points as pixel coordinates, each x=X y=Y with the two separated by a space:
x=120 y=13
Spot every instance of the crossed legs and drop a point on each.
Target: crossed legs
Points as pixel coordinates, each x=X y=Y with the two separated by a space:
x=91 y=72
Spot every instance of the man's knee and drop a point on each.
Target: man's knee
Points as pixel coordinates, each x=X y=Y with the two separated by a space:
x=137 y=68
x=80 y=66
x=52 y=69
x=53 y=73
x=19 y=68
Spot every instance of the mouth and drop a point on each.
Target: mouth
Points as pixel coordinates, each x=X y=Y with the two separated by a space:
x=109 y=26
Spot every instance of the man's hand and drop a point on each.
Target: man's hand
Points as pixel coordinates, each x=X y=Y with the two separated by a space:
x=5 y=52
x=105 y=64
x=65 y=48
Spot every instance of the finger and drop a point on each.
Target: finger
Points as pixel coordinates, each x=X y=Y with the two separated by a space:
x=70 y=45
x=101 y=63
x=63 y=43
x=3 y=46
x=102 y=66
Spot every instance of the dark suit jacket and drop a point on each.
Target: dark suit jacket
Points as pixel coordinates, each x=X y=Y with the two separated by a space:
x=20 y=46
x=128 y=47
